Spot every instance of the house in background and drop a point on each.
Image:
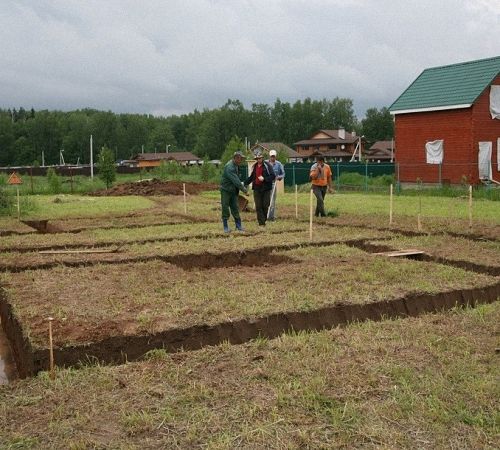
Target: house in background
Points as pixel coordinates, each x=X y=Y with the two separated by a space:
x=380 y=151
x=265 y=147
x=155 y=159
x=337 y=145
x=447 y=124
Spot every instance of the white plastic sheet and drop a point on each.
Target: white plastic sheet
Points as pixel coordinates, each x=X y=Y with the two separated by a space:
x=484 y=159
x=434 y=151
x=495 y=102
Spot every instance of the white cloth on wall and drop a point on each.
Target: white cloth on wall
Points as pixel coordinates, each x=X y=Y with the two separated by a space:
x=495 y=102
x=484 y=160
x=434 y=151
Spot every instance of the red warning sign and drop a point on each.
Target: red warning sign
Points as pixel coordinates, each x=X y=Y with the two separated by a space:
x=14 y=179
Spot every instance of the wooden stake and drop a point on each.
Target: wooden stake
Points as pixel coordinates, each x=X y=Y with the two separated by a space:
x=470 y=206
x=311 y=215
x=184 y=193
x=390 y=205
x=18 y=204
x=51 y=350
x=419 y=223
x=296 y=203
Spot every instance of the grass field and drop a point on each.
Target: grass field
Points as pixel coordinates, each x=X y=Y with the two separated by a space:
x=417 y=382
x=428 y=382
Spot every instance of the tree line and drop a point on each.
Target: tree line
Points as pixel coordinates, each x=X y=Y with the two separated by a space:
x=25 y=134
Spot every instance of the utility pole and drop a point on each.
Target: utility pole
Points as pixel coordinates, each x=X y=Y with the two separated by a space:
x=43 y=159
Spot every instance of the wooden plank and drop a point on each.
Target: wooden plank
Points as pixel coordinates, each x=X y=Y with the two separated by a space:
x=66 y=252
x=401 y=253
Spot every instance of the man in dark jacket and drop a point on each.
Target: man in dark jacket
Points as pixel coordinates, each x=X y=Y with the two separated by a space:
x=262 y=178
x=230 y=186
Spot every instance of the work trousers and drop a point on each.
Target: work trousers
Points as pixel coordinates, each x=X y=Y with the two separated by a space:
x=271 y=214
x=261 y=199
x=229 y=201
x=320 y=193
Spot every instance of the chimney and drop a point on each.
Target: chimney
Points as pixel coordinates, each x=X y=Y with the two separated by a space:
x=342 y=133
x=353 y=134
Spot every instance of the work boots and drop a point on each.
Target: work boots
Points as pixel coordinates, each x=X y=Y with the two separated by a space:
x=226 y=226
x=239 y=227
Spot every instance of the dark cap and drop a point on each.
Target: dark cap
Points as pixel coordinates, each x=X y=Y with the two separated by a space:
x=320 y=158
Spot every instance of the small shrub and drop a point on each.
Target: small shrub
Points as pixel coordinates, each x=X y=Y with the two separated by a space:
x=107 y=167
x=54 y=181
x=161 y=171
x=172 y=169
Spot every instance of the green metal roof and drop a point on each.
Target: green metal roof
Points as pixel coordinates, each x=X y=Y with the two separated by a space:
x=448 y=86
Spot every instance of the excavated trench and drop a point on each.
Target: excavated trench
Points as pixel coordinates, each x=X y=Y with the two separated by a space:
x=8 y=370
x=104 y=244
x=186 y=261
x=117 y=350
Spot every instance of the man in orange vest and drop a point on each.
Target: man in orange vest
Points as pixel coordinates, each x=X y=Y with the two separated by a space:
x=321 y=178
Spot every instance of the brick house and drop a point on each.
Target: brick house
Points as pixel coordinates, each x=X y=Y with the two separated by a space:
x=335 y=145
x=446 y=128
x=381 y=151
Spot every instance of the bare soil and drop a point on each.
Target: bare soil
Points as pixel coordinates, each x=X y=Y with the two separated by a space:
x=156 y=187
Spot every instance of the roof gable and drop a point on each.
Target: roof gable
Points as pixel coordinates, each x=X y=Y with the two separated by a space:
x=279 y=146
x=448 y=87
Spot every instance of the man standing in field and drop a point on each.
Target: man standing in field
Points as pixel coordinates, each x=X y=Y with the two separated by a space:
x=321 y=178
x=230 y=187
x=262 y=178
x=279 y=172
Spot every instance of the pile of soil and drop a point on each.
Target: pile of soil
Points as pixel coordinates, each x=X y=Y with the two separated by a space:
x=155 y=187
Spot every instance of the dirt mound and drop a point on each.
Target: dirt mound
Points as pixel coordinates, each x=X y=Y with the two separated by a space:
x=155 y=187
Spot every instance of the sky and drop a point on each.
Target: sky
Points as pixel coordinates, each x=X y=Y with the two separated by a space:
x=174 y=56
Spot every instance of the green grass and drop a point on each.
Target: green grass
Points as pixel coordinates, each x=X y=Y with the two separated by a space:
x=137 y=295
x=65 y=206
x=428 y=382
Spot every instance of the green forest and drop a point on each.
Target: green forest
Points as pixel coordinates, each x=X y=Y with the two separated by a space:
x=26 y=133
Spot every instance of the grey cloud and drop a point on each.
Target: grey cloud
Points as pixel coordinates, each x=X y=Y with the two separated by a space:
x=174 y=56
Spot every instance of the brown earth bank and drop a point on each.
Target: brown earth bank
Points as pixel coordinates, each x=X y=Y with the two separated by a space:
x=120 y=349
x=155 y=187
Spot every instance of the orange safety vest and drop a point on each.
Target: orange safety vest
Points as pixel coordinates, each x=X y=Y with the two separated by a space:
x=320 y=175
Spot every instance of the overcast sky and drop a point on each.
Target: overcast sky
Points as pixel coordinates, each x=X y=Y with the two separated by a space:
x=172 y=56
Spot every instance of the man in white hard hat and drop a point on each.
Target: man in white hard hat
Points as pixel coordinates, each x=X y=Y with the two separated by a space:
x=279 y=172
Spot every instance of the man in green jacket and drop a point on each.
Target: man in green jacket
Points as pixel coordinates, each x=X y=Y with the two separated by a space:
x=230 y=186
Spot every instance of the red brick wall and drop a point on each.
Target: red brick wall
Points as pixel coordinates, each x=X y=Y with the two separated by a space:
x=461 y=129
x=413 y=130
x=484 y=128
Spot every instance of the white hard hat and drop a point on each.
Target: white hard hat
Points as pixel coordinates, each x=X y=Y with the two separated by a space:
x=272 y=153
